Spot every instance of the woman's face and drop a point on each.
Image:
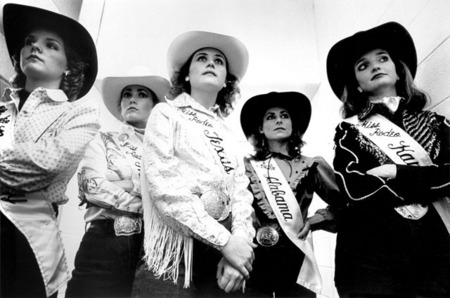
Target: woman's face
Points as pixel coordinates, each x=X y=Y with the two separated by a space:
x=208 y=68
x=43 y=57
x=277 y=124
x=136 y=104
x=375 y=72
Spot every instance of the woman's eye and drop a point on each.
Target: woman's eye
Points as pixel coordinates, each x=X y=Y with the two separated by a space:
x=361 y=66
x=285 y=116
x=384 y=58
x=28 y=41
x=52 y=46
x=143 y=95
x=201 y=58
x=219 y=61
x=126 y=95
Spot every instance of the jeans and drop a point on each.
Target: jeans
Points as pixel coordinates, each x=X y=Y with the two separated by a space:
x=105 y=264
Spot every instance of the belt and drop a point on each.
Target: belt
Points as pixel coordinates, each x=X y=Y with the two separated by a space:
x=104 y=224
x=11 y=199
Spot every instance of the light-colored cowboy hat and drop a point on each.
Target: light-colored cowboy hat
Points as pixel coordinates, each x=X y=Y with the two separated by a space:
x=182 y=47
x=392 y=37
x=296 y=103
x=112 y=87
x=19 y=20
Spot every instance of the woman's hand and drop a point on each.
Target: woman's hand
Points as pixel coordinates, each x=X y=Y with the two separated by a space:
x=228 y=278
x=305 y=230
x=239 y=253
x=126 y=185
x=384 y=171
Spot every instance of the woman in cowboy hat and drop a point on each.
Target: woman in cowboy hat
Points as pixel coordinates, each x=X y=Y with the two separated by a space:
x=44 y=132
x=109 y=184
x=283 y=182
x=197 y=208
x=392 y=160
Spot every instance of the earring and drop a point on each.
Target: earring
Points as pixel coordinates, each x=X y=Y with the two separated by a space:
x=186 y=78
x=224 y=85
x=360 y=90
x=263 y=143
x=67 y=72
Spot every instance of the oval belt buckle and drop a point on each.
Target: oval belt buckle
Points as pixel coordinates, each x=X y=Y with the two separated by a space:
x=267 y=236
x=216 y=203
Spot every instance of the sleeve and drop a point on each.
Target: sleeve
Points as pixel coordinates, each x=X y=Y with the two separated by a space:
x=241 y=208
x=31 y=166
x=96 y=188
x=325 y=185
x=170 y=189
x=353 y=158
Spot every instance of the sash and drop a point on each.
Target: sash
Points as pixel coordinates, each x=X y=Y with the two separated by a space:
x=398 y=146
x=216 y=200
x=289 y=216
x=35 y=220
x=7 y=125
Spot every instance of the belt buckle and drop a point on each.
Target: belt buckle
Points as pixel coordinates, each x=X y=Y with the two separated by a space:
x=216 y=203
x=127 y=226
x=267 y=236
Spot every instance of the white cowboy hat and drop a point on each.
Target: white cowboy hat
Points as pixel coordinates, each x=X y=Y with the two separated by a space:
x=189 y=42
x=113 y=86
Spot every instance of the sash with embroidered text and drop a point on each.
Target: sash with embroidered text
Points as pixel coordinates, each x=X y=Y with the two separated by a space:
x=398 y=146
x=216 y=200
x=7 y=115
x=289 y=216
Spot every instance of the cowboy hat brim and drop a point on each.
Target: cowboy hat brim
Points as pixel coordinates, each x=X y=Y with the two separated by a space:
x=113 y=86
x=182 y=48
x=392 y=37
x=296 y=103
x=19 y=20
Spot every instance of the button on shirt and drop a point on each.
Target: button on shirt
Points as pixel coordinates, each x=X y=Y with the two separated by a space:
x=42 y=145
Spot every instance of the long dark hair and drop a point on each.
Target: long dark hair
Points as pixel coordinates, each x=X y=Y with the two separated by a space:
x=354 y=101
x=225 y=98
x=294 y=144
x=71 y=83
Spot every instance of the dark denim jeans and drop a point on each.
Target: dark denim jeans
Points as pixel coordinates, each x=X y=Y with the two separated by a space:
x=105 y=264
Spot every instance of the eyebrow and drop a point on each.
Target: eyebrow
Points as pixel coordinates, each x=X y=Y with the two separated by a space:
x=204 y=53
x=46 y=38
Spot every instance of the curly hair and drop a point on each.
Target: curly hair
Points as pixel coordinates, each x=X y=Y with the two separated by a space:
x=71 y=83
x=294 y=143
x=225 y=98
x=354 y=101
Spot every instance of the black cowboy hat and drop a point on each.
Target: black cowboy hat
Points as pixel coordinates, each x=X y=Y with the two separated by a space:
x=19 y=20
x=392 y=37
x=296 y=103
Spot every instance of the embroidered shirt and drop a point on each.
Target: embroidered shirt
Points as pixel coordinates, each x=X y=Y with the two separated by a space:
x=42 y=145
x=110 y=157
x=180 y=166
